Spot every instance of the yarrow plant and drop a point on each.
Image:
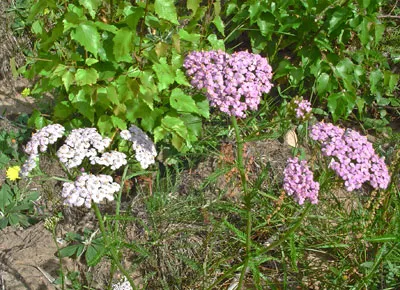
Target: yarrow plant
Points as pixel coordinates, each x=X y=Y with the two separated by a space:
x=299 y=181
x=300 y=108
x=122 y=285
x=233 y=83
x=354 y=158
x=38 y=144
x=88 y=188
x=145 y=151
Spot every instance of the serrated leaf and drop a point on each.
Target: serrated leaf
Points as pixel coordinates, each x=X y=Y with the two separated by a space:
x=182 y=102
x=219 y=24
x=63 y=110
x=104 y=124
x=123 y=45
x=375 y=79
x=181 y=79
x=86 y=34
x=165 y=74
x=118 y=122
x=68 y=78
x=166 y=10
x=86 y=76
x=133 y=18
x=191 y=37
x=175 y=125
x=337 y=19
x=215 y=42
x=91 y=6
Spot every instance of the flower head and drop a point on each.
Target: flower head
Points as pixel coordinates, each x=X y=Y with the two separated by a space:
x=89 y=188
x=299 y=181
x=300 y=108
x=42 y=138
x=354 y=158
x=145 y=151
x=234 y=82
x=122 y=285
x=81 y=143
x=12 y=173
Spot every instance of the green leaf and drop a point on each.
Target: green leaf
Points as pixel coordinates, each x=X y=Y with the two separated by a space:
x=182 y=102
x=91 y=6
x=133 y=18
x=191 y=37
x=86 y=76
x=193 y=5
x=63 y=110
x=93 y=254
x=123 y=40
x=375 y=79
x=68 y=251
x=165 y=74
x=5 y=196
x=175 y=125
x=3 y=159
x=181 y=79
x=118 y=122
x=39 y=6
x=86 y=34
x=322 y=83
x=105 y=124
x=215 y=42
x=219 y=24
x=68 y=78
x=338 y=18
x=341 y=104
x=241 y=236
x=89 y=61
x=166 y=10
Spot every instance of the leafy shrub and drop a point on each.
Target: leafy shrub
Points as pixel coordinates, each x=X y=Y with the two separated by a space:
x=322 y=49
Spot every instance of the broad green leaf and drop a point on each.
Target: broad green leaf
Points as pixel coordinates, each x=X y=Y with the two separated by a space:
x=86 y=76
x=191 y=37
x=375 y=79
x=118 y=122
x=94 y=254
x=85 y=109
x=38 y=7
x=379 y=30
x=165 y=74
x=105 y=125
x=193 y=5
x=133 y=18
x=3 y=159
x=203 y=106
x=215 y=42
x=86 y=34
x=182 y=102
x=5 y=196
x=180 y=78
x=91 y=6
x=341 y=104
x=63 y=110
x=166 y=10
x=364 y=32
x=219 y=24
x=68 y=78
x=123 y=45
x=322 y=83
x=106 y=27
x=175 y=125
x=68 y=251
x=89 y=61
x=338 y=18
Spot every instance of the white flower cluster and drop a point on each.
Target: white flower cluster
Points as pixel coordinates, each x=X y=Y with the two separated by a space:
x=122 y=285
x=114 y=159
x=145 y=151
x=88 y=188
x=39 y=143
x=81 y=143
x=42 y=138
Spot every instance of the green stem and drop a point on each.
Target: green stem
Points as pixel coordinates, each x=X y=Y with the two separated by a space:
x=118 y=205
x=114 y=255
x=247 y=197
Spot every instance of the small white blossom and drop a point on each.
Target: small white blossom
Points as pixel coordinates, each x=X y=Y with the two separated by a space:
x=42 y=138
x=113 y=159
x=81 y=143
x=145 y=151
x=122 y=285
x=89 y=188
x=29 y=165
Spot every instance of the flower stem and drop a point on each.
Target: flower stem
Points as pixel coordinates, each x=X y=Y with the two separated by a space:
x=247 y=197
x=118 y=204
x=113 y=253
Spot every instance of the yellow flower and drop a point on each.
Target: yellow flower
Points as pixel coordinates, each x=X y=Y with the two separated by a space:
x=26 y=92
x=13 y=173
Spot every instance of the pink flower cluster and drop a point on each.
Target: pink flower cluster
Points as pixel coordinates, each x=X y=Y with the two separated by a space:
x=302 y=108
x=299 y=181
x=354 y=158
x=234 y=83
